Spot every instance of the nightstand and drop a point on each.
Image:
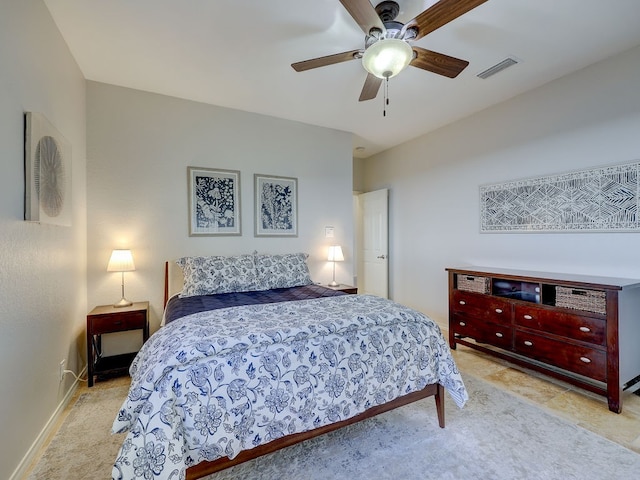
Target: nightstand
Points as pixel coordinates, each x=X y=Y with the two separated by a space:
x=109 y=319
x=344 y=288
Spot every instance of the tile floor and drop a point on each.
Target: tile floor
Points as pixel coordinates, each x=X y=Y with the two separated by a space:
x=584 y=408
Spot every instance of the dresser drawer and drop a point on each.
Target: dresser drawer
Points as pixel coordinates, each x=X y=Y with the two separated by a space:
x=483 y=332
x=585 y=361
x=483 y=307
x=117 y=323
x=577 y=327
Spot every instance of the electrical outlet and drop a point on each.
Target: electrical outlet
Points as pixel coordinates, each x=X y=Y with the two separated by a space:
x=62 y=363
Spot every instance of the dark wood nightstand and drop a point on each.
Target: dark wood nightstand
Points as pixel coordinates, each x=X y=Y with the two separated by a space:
x=344 y=288
x=109 y=319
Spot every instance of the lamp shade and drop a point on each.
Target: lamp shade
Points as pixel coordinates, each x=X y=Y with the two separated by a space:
x=335 y=254
x=121 y=261
x=387 y=57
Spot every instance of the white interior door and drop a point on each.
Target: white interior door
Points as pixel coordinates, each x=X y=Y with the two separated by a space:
x=374 y=255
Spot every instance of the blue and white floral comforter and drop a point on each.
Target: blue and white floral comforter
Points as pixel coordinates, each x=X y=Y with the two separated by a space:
x=215 y=383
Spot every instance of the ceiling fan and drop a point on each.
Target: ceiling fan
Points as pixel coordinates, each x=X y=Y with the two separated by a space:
x=387 y=50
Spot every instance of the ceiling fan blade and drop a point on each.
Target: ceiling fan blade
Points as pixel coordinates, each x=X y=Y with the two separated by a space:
x=364 y=14
x=438 y=62
x=440 y=14
x=324 y=61
x=370 y=88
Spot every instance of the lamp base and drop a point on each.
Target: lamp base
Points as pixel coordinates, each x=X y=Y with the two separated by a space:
x=123 y=303
x=334 y=284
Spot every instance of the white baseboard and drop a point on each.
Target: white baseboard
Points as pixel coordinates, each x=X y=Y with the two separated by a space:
x=21 y=470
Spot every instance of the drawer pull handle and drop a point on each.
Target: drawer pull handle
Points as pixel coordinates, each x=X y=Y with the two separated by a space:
x=585 y=329
x=499 y=335
x=528 y=317
x=462 y=302
x=585 y=360
x=498 y=310
x=462 y=324
x=528 y=343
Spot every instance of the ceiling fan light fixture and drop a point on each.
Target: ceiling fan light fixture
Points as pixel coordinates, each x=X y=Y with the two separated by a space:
x=387 y=57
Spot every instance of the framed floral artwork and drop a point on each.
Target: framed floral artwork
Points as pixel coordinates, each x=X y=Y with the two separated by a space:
x=276 y=208
x=214 y=202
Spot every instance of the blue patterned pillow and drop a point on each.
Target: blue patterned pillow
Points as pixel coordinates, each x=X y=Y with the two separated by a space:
x=282 y=271
x=218 y=274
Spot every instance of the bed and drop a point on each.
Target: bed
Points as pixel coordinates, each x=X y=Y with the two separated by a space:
x=253 y=357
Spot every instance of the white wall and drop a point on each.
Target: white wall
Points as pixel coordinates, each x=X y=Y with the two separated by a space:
x=139 y=147
x=590 y=118
x=42 y=267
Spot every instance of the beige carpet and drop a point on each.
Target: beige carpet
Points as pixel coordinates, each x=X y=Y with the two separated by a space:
x=496 y=436
x=83 y=448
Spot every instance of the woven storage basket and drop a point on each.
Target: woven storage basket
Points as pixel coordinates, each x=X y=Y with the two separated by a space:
x=469 y=283
x=581 y=299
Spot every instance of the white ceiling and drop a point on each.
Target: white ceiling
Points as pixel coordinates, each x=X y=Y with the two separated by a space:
x=237 y=54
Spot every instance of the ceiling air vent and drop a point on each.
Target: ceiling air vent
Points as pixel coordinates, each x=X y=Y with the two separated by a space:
x=498 y=67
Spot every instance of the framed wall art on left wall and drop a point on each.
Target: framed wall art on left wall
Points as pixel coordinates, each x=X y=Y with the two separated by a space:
x=47 y=172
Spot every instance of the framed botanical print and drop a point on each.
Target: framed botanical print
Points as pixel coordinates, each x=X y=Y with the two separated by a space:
x=214 y=201
x=276 y=206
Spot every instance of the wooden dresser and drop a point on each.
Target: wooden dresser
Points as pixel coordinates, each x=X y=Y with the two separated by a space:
x=584 y=330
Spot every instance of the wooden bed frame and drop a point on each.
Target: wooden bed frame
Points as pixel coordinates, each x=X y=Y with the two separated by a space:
x=172 y=278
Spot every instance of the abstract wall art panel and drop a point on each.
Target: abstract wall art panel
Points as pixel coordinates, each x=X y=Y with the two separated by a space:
x=596 y=200
x=47 y=167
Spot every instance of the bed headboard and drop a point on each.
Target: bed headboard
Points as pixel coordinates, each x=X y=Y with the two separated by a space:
x=173 y=280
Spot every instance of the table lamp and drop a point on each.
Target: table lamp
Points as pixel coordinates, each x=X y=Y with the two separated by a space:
x=121 y=261
x=335 y=255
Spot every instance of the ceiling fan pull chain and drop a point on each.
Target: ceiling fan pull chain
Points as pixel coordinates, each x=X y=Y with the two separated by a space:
x=387 y=100
x=386 y=97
